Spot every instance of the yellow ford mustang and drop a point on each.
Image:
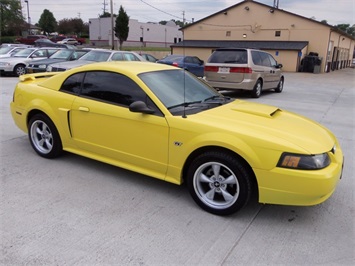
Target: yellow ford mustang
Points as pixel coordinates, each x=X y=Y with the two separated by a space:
x=163 y=122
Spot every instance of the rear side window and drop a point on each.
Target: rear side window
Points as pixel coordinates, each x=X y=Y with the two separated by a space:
x=112 y=87
x=229 y=57
x=131 y=57
x=255 y=55
x=73 y=83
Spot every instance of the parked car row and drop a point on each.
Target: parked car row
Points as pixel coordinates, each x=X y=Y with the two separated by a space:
x=41 y=59
x=31 y=39
x=226 y=69
x=16 y=64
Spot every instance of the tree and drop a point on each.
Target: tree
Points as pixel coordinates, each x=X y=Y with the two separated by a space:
x=121 y=27
x=47 y=22
x=107 y=15
x=347 y=28
x=11 y=19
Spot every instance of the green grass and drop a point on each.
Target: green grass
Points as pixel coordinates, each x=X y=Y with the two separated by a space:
x=128 y=48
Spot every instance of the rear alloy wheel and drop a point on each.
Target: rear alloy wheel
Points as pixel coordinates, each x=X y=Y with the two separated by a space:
x=20 y=70
x=219 y=183
x=44 y=136
x=256 y=92
x=280 y=86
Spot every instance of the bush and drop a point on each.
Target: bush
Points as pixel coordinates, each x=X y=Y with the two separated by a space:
x=7 y=39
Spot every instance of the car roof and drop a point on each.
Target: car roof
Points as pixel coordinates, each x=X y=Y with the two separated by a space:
x=134 y=67
x=124 y=67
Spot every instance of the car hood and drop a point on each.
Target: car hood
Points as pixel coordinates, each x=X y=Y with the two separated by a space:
x=48 y=61
x=269 y=127
x=14 y=59
x=72 y=64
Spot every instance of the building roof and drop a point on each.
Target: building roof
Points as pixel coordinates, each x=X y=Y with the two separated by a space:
x=261 y=45
x=280 y=10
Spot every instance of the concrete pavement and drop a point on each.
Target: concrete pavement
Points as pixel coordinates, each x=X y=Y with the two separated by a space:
x=75 y=211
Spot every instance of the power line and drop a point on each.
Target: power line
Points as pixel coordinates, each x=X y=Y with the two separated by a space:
x=160 y=10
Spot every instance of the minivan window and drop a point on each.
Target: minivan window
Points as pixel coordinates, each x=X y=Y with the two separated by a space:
x=255 y=55
x=273 y=61
x=229 y=57
x=265 y=61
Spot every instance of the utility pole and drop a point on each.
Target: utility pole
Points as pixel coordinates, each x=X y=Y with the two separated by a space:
x=105 y=4
x=112 y=29
x=276 y=4
x=28 y=17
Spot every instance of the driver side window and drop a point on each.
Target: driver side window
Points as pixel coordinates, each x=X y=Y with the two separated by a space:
x=112 y=88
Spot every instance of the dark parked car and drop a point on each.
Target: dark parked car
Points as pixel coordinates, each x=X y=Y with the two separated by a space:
x=149 y=57
x=59 y=56
x=49 y=43
x=192 y=64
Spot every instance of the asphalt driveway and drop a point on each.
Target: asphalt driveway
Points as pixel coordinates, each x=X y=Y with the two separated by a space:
x=76 y=211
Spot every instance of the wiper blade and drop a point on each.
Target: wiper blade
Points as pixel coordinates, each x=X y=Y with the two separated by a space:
x=183 y=104
x=216 y=97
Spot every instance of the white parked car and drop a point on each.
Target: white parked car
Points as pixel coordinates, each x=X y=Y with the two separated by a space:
x=96 y=55
x=71 y=41
x=7 y=50
x=17 y=63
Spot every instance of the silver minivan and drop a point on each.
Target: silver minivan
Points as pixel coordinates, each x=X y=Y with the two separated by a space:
x=244 y=69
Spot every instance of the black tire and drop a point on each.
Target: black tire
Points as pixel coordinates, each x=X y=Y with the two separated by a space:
x=256 y=92
x=44 y=137
x=19 y=70
x=280 y=86
x=224 y=194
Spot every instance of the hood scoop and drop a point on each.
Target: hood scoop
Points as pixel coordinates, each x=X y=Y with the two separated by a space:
x=256 y=109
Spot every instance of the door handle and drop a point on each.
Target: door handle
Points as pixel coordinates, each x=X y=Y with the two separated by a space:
x=84 y=109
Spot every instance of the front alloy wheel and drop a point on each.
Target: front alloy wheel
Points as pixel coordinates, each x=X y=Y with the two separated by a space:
x=219 y=183
x=20 y=70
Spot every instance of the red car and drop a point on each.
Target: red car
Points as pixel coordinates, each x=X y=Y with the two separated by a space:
x=30 y=39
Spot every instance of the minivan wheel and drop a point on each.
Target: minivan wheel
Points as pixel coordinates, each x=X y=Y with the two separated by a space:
x=256 y=92
x=280 y=86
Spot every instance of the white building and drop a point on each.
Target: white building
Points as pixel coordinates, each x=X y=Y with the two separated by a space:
x=140 y=34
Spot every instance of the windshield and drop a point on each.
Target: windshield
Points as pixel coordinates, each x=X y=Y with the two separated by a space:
x=61 y=54
x=96 y=56
x=178 y=87
x=24 y=53
x=5 y=50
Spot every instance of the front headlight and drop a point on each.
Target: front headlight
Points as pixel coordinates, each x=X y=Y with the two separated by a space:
x=42 y=66
x=4 y=64
x=304 y=162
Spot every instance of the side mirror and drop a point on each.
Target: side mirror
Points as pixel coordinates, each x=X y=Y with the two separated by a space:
x=279 y=66
x=140 y=107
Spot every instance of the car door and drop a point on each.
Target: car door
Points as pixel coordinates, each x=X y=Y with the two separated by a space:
x=194 y=65
x=276 y=72
x=102 y=124
x=268 y=70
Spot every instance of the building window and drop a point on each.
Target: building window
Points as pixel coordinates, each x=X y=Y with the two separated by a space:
x=228 y=33
x=277 y=33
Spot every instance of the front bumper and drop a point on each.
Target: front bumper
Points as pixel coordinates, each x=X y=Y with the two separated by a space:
x=300 y=187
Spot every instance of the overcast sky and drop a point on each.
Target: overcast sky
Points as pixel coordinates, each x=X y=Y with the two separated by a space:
x=333 y=11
